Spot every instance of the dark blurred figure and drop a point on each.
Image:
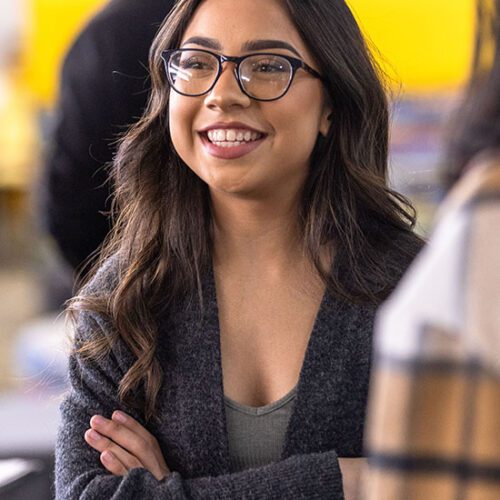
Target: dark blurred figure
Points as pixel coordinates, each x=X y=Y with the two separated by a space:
x=434 y=414
x=476 y=128
x=104 y=89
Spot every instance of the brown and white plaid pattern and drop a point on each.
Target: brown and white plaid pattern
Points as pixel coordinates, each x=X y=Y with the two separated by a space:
x=433 y=427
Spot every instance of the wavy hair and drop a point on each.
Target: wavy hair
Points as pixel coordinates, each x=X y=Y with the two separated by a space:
x=163 y=223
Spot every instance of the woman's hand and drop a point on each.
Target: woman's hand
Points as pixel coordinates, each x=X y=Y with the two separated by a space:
x=125 y=444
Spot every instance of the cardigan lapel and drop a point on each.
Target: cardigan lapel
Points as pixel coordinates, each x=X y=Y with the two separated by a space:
x=194 y=423
x=331 y=393
x=333 y=384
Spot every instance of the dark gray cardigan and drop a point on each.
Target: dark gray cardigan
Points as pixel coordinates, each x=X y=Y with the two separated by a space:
x=327 y=421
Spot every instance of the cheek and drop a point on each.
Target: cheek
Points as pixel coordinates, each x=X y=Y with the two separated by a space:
x=180 y=116
x=299 y=129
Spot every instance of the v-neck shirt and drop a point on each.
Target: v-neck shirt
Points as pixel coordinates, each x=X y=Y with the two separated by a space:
x=256 y=433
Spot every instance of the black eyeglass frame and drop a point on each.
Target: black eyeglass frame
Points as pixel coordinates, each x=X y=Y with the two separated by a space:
x=295 y=63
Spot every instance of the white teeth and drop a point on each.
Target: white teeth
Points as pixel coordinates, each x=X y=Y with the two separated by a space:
x=226 y=144
x=231 y=136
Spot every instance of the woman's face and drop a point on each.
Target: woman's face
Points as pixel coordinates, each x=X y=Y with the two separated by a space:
x=278 y=161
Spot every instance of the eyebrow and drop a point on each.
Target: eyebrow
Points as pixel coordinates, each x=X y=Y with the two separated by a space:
x=212 y=43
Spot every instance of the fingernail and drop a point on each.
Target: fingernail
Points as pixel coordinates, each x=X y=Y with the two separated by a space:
x=98 y=420
x=95 y=436
x=119 y=416
x=107 y=456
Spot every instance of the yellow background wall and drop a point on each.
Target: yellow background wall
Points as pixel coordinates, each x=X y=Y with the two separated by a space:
x=52 y=26
x=426 y=44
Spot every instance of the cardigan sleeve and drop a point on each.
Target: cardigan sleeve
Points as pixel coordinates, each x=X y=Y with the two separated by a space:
x=79 y=473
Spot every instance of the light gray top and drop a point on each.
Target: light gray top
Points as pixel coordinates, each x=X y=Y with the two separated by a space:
x=256 y=434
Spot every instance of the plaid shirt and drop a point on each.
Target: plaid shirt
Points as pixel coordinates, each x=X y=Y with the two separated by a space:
x=433 y=428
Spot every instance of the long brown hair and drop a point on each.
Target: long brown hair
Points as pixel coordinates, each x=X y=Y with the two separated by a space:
x=162 y=233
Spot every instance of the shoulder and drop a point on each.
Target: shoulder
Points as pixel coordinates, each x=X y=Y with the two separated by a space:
x=93 y=326
x=406 y=245
x=89 y=309
x=385 y=255
x=397 y=253
x=105 y=278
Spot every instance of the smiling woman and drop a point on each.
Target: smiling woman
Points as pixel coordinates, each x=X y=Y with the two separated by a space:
x=223 y=345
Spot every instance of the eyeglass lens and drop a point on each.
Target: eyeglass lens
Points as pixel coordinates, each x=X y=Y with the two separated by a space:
x=262 y=76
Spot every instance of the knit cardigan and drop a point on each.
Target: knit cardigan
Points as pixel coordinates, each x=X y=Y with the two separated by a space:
x=326 y=423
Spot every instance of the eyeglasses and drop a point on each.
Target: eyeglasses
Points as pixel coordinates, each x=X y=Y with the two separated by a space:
x=261 y=76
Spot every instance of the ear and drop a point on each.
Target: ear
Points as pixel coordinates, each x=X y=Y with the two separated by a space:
x=326 y=119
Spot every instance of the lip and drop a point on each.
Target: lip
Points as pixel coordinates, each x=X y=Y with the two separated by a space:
x=229 y=153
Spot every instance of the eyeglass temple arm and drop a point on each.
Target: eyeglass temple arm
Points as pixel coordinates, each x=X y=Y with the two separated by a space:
x=310 y=70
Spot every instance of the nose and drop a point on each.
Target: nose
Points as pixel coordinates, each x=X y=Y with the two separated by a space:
x=226 y=93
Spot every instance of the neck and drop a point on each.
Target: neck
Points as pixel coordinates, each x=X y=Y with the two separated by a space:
x=255 y=232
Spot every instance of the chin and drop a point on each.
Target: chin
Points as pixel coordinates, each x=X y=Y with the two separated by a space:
x=221 y=179
x=230 y=187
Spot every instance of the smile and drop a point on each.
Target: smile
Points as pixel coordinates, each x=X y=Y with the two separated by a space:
x=227 y=138
x=230 y=143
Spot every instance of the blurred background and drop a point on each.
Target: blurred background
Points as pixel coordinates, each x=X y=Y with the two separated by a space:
x=424 y=47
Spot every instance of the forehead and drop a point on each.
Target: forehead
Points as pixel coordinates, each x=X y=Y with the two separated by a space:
x=233 y=23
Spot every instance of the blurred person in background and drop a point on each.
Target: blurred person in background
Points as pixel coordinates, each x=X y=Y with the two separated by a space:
x=104 y=89
x=222 y=349
x=433 y=426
